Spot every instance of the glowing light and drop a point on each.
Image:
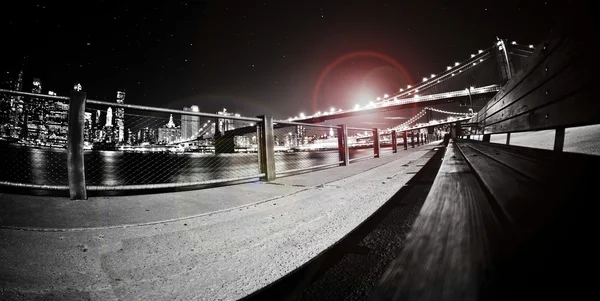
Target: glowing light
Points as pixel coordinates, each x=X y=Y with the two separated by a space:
x=385 y=96
x=371 y=103
x=318 y=113
x=474 y=64
x=448 y=68
x=514 y=42
x=408 y=87
x=472 y=55
x=452 y=74
x=302 y=115
x=499 y=43
x=480 y=60
x=471 y=88
x=456 y=63
x=500 y=48
x=416 y=96
x=339 y=110
x=424 y=79
x=530 y=46
x=378 y=98
x=480 y=51
x=332 y=109
x=416 y=90
x=433 y=75
x=356 y=107
x=401 y=90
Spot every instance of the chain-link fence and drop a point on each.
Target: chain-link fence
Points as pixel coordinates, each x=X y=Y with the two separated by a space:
x=301 y=147
x=135 y=149
x=360 y=143
x=33 y=136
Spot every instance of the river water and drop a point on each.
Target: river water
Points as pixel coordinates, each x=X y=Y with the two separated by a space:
x=47 y=166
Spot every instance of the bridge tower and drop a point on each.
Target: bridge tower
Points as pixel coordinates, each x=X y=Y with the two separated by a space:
x=505 y=65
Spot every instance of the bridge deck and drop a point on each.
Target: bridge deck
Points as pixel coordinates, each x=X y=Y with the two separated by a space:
x=244 y=248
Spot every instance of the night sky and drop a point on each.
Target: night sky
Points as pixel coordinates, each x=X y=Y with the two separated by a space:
x=255 y=57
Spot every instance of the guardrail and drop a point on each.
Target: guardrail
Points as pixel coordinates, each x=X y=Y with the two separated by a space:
x=78 y=145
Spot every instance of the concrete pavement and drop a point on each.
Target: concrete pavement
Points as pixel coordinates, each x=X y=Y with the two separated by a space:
x=215 y=244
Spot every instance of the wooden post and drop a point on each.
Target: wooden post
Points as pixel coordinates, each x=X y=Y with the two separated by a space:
x=376 y=146
x=267 y=149
x=412 y=138
x=405 y=138
x=508 y=139
x=344 y=154
x=394 y=142
x=559 y=139
x=75 y=161
x=418 y=140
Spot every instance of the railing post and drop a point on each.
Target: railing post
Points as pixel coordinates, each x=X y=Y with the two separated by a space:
x=412 y=138
x=343 y=144
x=559 y=139
x=486 y=137
x=405 y=138
x=75 y=162
x=418 y=140
x=508 y=139
x=267 y=148
x=376 y=146
x=394 y=142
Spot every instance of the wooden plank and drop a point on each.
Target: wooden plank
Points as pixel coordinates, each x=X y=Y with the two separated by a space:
x=552 y=64
x=572 y=79
x=536 y=59
x=577 y=110
x=529 y=205
x=529 y=167
x=541 y=156
x=449 y=246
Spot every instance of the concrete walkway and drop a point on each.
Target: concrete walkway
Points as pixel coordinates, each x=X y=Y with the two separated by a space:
x=214 y=244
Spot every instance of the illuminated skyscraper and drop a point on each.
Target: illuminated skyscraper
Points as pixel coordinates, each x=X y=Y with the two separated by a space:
x=120 y=118
x=108 y=117
x=190 y=124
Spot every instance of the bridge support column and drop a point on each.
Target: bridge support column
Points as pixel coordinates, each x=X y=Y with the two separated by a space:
x=508 y=139
x=405 y=138
x=267 y=148
x=412 y=138
x=75 y=162
x=394 y=142
x=343 y=145
x=559 y=139
x=376 y=143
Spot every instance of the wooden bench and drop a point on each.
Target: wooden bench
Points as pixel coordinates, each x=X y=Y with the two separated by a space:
x=504 y=222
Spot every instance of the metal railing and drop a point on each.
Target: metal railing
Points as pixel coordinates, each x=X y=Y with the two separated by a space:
x=77 y=144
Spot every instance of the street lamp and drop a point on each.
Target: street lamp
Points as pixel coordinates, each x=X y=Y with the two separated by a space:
x=470 y=99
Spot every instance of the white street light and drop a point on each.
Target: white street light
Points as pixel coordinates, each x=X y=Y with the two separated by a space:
x=401 y=90
x=433 y=75
x=456 y=64
x=424 y=79
x=448 y=67
x=472 y=55
x=530 y=46
x=385 y=96
x=302 y=115
x=514 y=42
x=480 y=51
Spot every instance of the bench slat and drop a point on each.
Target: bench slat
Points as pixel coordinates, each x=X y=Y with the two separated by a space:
x=522 y=199
x=449 y=245
x=531 y=167
x=555 y=61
